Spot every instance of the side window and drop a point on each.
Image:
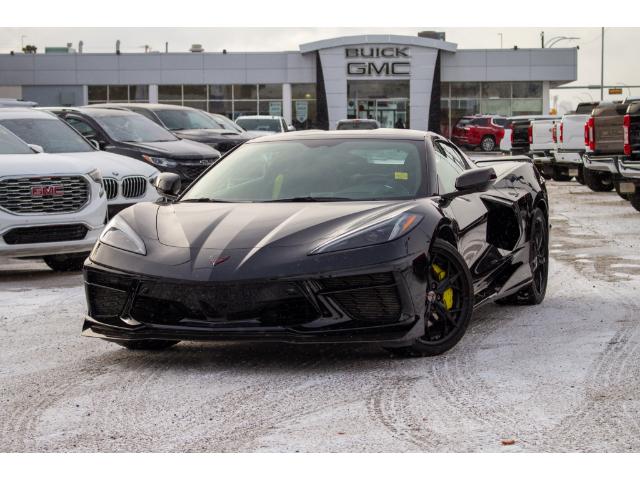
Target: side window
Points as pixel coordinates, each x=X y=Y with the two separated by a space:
x=448 y=168
x=83 y=127
x=453 y=155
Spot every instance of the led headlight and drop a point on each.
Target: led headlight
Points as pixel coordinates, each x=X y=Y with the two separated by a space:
x=96 y=176
x=381 y=232
x=119 y=234
x=159 y=161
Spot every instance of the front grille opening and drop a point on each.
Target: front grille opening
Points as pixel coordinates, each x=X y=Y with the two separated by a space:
x=275 y=304
x=105 y=302
x=26 y=195
x=134 y=187
x=110 y=187
x=46 y=234
x=372 y=298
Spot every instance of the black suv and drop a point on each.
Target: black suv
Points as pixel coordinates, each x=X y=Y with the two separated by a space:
x=127 y=133
x=186 y=122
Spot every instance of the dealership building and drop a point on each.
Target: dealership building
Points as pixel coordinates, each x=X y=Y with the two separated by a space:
x=421 y=82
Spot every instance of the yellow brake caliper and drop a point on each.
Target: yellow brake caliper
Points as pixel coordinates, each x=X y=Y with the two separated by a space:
x=447 y=296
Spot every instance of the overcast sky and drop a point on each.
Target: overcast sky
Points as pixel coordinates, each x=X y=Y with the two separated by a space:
x=619 y=44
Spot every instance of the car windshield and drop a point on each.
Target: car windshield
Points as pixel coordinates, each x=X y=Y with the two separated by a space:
x=260 y=124
x=175 y=119
x=52 y=134
x=500 y=121
x=316 y=170
x=133 y=128
x=226 y=123
x=10 y=144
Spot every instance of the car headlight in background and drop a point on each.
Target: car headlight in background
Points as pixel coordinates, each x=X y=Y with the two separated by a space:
x=96 y=176
x=119 y=234
x=381 y=232
x=159 y=161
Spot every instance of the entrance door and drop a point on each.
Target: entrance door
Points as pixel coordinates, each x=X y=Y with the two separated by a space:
x=391 y=113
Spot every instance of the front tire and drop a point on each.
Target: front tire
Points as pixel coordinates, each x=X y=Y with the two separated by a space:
x=488 y=144
x=597 y=181
x=449 y=303
x=635 y=200
x=534 y=293
x=71 y=262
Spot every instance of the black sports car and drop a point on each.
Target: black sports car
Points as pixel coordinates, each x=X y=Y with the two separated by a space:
x=388 y=236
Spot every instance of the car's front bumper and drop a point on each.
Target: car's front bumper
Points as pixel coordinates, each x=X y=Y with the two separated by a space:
x=384 y=305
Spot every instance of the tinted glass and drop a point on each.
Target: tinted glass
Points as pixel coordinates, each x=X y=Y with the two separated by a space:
x=260 y=124
x=362 y=125
x=272 y=91
x=185 y=119
x=500 y=121
x=527 y=89
x=347 y=169
x=133 y=128
x=170 y=92
x=448 y=169
x=10 y=144
x=80 y=125
x=226 y=123
x=53 y=135
x=118 y=93
x=301 y=91
x=195 y=92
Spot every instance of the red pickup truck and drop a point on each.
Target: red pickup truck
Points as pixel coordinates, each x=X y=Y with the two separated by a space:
x=483 y=131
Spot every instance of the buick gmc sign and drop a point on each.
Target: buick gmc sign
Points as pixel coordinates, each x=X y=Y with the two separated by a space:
x=378 y=61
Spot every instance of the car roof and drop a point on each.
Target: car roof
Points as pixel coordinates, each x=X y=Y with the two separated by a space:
x=24 y=112
x=93 y=112
x=260 y=117
x=386 y=133
x=147 y=106
x=356 y=120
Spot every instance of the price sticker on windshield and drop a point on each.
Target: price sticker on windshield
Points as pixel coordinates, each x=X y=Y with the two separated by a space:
x=401 y=176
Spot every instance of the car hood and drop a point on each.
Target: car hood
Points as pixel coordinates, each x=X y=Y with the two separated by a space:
x=259 y=133
x=41 y=164
x=112 y=165
x=178 y=149
x=225 y=226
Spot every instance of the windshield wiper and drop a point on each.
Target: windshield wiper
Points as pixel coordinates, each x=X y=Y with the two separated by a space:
x=310 y=199
x=204 y=200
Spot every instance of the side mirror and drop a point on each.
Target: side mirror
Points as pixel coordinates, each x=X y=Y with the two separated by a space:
x=476 y=180
x=471 y=181
x=36 y=148
x=95 y=143
x=168 y=184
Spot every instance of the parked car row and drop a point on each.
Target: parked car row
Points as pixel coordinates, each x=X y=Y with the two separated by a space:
x=64 y=172
x=481 y=131
x=598 y=144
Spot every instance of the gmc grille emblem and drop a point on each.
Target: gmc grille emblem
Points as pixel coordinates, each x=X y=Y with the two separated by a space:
x=47 y=191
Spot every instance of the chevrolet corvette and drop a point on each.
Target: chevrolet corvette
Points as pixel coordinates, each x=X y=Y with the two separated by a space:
x=386 y=236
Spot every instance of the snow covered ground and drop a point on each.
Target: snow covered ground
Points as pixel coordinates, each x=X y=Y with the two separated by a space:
x=562 y=376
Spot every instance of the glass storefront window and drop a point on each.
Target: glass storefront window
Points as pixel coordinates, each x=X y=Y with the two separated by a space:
x=496 y=107
x=465 y=89
x=527 y=89
x=496 y=90
x=304 y=114
x=445 y=90
x=201 y=105
x=271 y=91
x=245 y=92
x=138 y=93
x=118 y=93
x=270 y=107
x=528 y=106
x=220 y=92
x=194 y=92
x=222 y=107
x=170 y=92
x=303 y=91
x=243 y=107
x=97 y=93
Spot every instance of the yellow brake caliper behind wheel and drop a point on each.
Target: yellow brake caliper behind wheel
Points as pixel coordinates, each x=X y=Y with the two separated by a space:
x=447 y=296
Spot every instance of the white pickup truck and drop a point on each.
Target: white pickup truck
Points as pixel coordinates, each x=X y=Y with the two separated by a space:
x=569 y=149
x=51 y=206
x=542 y=144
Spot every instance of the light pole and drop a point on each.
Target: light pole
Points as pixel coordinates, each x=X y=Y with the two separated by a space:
x=500 y=34
x=602 y=65
x=22 y=37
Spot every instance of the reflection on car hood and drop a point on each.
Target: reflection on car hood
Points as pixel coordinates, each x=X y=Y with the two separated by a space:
x=40 y=164
x=257 y=225
x=186 y=149
x=111 y=165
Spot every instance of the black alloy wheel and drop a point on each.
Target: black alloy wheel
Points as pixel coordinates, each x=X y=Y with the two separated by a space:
x=534 y=293
x=448 y=303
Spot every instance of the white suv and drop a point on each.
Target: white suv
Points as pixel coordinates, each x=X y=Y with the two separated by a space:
x=126 y=180
x=261 y=125
x=50 y=206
